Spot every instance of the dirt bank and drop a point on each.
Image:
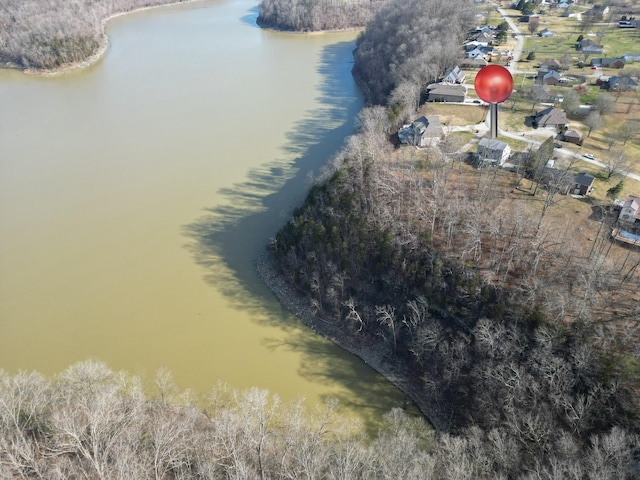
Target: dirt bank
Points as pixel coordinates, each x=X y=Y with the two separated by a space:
x=371 y=350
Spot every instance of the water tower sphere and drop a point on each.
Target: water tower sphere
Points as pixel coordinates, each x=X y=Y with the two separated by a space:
x=493 y=83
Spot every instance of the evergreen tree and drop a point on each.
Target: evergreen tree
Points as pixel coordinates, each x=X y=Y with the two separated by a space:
x=614 y=191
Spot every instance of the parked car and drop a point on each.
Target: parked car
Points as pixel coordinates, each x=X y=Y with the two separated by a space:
x=589 y=156
x=557 y=145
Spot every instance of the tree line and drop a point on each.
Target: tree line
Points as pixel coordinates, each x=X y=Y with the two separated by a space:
x=317 y=15
x=502 y=324
x=44 y=34
x=91 y=422
x=408 y=45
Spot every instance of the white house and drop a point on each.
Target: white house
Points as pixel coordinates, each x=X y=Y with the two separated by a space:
x=421 y=132
x=454 y=75
x=630 y=212
x=492 y=152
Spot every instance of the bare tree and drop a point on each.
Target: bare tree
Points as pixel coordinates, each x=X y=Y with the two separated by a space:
x=629 y=130
x=615 y=163
x=604 y=104
x=593 y=121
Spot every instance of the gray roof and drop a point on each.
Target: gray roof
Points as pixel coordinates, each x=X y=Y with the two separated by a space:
x=444 y=89
x=492 y=143
x=428 y=126
x=584 y=178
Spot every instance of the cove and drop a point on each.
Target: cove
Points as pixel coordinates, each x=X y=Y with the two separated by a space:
x=135 y=196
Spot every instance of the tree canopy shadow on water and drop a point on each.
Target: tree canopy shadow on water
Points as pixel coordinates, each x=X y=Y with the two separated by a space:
x=251 y=17
x=223 y=241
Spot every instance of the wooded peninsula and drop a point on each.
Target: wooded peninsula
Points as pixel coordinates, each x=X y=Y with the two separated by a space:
x=515 y=336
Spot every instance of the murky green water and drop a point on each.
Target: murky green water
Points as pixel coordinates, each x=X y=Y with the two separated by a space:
x=136 y=194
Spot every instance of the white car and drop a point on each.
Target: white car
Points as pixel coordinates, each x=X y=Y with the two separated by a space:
x=589 y=156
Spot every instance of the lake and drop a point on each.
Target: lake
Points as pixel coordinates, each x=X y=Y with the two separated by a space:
x=135 y=196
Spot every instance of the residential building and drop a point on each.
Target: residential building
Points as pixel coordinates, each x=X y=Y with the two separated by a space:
x=630 y=211
x=597 y=13
x=549 y=64
x=421 y=132
x=551 y=77
x=454 y=75
x=492 y=152
x=608 y=62
x=589 y=46
x=623 y=84
x=565 y=182
x=573 y=136
x=441 y=92
x=551 y=117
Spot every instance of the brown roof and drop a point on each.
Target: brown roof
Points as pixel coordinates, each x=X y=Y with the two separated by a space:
x=551 y=117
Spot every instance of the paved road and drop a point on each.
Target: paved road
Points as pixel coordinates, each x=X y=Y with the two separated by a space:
x=517 y=51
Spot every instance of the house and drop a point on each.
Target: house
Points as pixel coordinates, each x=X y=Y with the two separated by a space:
x=474 y=62
x=492 y=152
x=583 y=183
x=480 y=52
x=630 y=212
x=473 y=44
x=549 y=78
x=543 y=96
x=589 y=46
x=608 y=62
x=551 y=117
x=631 y=57
x=484 y=29
x=454 y=75
x=549 y=64
x=573 y=136
x=442 y=92
x=565 y=182
x=623 y=84
x=546 y=33
x=533 y=18
x=421 y=132
x=597 y=13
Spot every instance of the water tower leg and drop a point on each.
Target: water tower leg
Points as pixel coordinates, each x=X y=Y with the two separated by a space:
x=493 y=115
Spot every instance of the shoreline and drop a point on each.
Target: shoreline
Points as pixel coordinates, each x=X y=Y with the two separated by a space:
x=103 y=44
x=371 y=353
x=104 y=41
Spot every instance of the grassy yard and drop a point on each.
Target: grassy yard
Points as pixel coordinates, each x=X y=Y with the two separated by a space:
x=455 y=115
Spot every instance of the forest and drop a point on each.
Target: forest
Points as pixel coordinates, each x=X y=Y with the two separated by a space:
x=45 y=34
x=317 y=15
x=91 y=422
x=514 y=336
x=503 y=320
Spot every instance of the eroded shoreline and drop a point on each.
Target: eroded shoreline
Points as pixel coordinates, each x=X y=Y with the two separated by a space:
x=370 y=352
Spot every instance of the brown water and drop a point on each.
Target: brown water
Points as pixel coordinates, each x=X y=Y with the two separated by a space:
x=136 y=194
